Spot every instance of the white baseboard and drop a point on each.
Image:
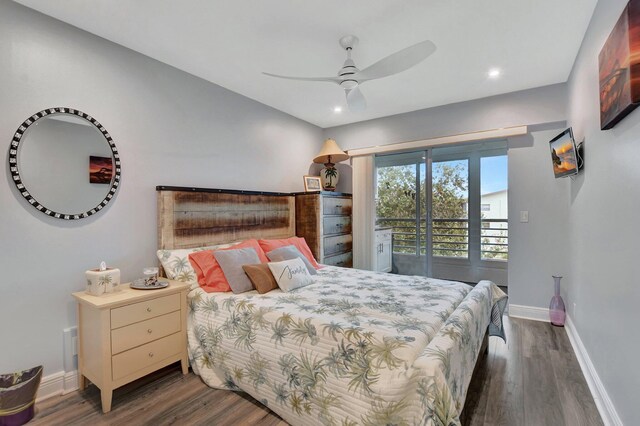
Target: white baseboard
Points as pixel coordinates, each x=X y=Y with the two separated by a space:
x=601 y=397
x=55 y=384
x=529 y=312
x=50 y=385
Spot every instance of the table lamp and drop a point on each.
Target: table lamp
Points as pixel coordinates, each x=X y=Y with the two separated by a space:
x=329 y=155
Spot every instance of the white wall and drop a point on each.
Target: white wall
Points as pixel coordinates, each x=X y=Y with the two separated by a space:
x=533 y=257
x=604 y=207
x=171 y=129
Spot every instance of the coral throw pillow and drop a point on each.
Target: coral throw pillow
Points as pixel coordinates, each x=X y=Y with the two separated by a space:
x=299 y=243
x=210 y=275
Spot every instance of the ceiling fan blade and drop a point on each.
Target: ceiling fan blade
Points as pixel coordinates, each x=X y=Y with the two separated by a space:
x=355 y=100
x=328 y=79
x=397 y=62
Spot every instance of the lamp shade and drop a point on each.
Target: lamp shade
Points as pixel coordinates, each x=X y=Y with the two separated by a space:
x=330 y=149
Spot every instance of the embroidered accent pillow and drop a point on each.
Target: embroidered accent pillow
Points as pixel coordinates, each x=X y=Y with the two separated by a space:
x=288 y=253
x=261 y=277
x=290 y=274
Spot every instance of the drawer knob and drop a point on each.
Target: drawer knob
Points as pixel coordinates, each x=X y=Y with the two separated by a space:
x=150 y=354
x=338 y=206
x=149 y=331
x=148 y=309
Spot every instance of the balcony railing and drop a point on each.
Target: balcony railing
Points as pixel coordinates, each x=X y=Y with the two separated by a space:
x=406 y=238
x=494 y=239
x=450 y=237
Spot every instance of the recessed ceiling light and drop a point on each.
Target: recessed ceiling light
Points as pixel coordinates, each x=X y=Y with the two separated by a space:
x=337 y=109
x=494 y=73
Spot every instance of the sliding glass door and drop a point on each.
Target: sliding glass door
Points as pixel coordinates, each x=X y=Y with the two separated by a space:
x=400 y=205
x=448 y=211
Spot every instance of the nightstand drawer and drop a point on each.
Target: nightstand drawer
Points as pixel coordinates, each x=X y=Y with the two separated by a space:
x=336 y=206
x=143 y=332
x=143 y=356
x=141 y=311
x=344 y=260
x=337 y=244
x=336 y=225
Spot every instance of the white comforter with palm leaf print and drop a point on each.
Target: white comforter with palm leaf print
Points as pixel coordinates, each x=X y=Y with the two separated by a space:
x=356 y=347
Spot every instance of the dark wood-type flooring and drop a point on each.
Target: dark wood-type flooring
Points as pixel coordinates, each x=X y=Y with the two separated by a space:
x=534 y=379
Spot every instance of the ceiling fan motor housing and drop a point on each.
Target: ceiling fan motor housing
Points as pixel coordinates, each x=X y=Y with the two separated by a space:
x=346 y=72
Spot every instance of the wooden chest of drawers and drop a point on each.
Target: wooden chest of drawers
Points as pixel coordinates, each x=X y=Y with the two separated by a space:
x=324 y=220
x=125 y=335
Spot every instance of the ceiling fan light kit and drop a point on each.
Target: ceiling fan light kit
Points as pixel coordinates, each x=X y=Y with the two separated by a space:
x=350 y=77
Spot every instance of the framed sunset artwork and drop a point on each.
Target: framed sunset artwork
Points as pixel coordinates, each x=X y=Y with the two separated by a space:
x=620 y=68
x=100 y=170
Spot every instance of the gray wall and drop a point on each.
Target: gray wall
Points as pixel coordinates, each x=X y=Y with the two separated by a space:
x=535 y=106
x=170 y=128
x=603 y=227
x=538 y=248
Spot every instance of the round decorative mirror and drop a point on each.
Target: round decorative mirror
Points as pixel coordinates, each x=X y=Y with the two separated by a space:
x=64 y=163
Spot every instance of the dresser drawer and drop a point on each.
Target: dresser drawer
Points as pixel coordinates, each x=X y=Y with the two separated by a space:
x=141 y=311
x=137 y=334
x=337 y=244
x=336 y=206
x=336 y=225
x=344 y=260
x=129 y=362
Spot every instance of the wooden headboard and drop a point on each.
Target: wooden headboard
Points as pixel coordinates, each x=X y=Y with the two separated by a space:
x=199 y=217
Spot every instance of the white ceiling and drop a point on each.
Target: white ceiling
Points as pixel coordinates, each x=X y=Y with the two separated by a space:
x=533 y=42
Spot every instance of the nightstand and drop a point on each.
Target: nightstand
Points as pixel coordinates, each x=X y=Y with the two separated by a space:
x=126 y=335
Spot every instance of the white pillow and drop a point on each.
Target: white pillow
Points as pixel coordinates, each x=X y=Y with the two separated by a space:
x=176 y=263
x=290 y=274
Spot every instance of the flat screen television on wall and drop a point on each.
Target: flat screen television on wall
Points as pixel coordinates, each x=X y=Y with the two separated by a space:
x=564 y=155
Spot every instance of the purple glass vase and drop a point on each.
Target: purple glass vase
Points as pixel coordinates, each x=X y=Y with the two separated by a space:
x=557 y=312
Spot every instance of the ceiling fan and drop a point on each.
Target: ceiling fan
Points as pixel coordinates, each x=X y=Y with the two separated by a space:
x=350 y=77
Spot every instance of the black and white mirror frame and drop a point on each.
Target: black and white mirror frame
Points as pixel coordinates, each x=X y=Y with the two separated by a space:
x=15 y=171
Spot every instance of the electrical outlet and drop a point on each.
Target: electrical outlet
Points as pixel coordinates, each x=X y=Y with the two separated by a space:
x=524 y=216
x=70 y=348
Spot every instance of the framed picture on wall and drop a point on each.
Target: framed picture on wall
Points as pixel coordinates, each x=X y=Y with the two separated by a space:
x=100 y=169
x=620 y=68
x=312 y=183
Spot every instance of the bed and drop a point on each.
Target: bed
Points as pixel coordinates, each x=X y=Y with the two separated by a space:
x=355 y=347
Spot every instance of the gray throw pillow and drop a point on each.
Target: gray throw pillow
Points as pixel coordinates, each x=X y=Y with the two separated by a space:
x=288 y=253
x=231 y=262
